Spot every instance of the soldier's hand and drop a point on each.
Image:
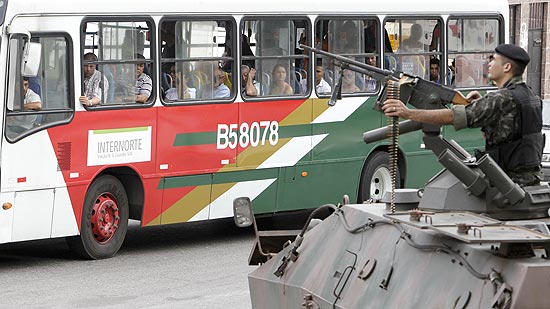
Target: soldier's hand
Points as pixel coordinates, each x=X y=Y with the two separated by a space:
x=395 y=108
x=473 y=95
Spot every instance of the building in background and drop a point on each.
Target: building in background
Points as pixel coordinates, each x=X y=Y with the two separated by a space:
x=529 y=29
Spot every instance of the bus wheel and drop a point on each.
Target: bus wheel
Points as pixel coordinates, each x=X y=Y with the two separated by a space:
x=376 y=178
x=104 y=220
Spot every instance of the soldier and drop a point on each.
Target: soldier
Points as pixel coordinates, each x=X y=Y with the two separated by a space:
x=510 y=118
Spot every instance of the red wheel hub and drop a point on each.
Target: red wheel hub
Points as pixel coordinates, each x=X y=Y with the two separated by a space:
x=105 y=218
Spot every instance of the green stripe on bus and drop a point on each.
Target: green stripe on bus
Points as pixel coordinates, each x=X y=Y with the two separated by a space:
x=246 y=175
x=192 y=139
x=185 y=181
x=121 y=130
x=218 y=178
x=295 y=130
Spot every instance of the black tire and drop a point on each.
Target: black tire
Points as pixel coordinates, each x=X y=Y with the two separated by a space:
x=376 y=177
x=104 y=220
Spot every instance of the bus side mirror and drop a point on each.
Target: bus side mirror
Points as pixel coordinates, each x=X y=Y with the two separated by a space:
x=30 y=62
x=32 y=51
x=242 y=212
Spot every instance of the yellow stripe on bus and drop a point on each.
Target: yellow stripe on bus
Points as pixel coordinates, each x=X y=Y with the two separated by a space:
x=320 y=107
x=188 y=206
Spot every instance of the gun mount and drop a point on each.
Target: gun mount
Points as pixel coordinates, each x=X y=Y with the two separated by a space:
x=467 y=184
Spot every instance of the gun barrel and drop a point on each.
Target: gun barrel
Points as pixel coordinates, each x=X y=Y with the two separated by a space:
x=473 y=181
x=497 y=177
x=371 y=70
x=382 y=133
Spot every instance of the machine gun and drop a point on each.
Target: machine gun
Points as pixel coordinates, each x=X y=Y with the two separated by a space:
x=413 y=90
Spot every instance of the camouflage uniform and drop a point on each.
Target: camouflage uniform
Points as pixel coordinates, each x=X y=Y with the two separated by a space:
x=495 y=113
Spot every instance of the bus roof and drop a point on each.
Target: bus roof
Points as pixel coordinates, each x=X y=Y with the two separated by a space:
x=153 y=7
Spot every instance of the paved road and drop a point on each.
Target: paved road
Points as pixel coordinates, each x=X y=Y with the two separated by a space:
x=197 y=265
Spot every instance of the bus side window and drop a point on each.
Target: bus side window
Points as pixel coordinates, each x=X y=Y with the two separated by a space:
x=353 y=38
x=120 y=65
x=412 y=46
x=471 y=44
x=200 y=67
x=278 y=64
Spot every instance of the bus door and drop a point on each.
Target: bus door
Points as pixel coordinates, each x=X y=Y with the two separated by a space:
x=34 y=193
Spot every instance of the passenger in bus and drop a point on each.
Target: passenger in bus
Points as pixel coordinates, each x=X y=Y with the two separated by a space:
x=370 y=83
x=370 y=32
x=434 y=70
x=168 y=37
x=300 y=63
x=179 y=81
x=250 y=87
x=227 y=66
x=144 y=84
x=413 y=43
x=348 y=82
x=220 y=88
x=94 y=90
x=321 y=35
x=246 y=51
x=347 y=39
x=31 y=101
x=271 y=42
x=417 y=65
x=270 y=45
x=321 y=85
x=485 y=70
x=279 y=85
x=213 y=86
x=464 y=72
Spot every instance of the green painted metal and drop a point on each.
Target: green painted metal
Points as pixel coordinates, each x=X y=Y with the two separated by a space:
x=185 y=181
x=325 y=182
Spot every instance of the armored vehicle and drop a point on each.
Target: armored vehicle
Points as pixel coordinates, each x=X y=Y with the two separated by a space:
x=443 y=248
x=471 y=238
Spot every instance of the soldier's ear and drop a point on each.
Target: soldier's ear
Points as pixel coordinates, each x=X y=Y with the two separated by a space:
x=507 y=67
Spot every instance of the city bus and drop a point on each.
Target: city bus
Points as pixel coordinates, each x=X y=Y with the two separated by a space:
x=118 y=110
